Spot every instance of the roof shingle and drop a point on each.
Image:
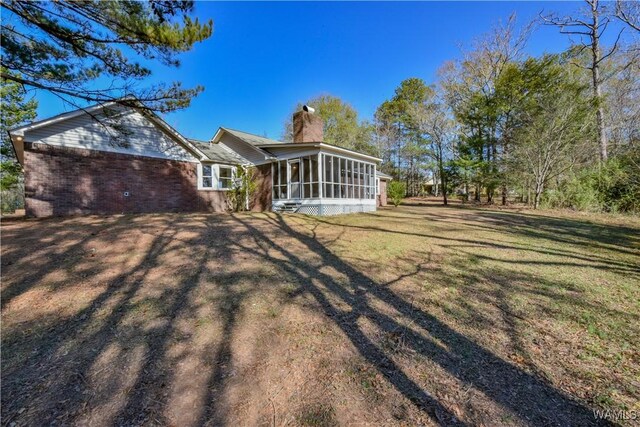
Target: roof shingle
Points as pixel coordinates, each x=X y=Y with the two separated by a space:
x=251 y=138
x=217 y=152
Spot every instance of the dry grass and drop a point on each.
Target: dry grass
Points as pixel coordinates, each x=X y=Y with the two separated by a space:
x=415 y=315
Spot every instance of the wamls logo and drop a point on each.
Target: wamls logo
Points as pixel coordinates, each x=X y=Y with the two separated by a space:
x=615 y=415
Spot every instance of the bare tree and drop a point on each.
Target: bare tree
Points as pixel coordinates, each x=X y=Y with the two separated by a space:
x=590 y=30
x=557 y=127
x=435 y=122
x=623 y=109
x=470 y=86
x=385 y=138
x=629 y=13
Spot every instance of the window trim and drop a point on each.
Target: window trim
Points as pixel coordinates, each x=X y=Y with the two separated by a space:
x=351 y=184
x=201 y=176
x=358 y=178
x=215 y=176
x=230 y=179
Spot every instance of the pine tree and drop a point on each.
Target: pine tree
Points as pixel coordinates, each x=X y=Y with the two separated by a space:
x=93 y=51
x=15 y=110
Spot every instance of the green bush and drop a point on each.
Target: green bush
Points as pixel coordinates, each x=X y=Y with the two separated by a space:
x=396 y=192
x=11 y=199
x=245 y=185
x=612 y=187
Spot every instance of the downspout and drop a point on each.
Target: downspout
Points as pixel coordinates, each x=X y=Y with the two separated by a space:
x=246 y=195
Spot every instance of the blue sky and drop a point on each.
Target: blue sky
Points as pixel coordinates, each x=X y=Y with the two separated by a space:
x=263 y=58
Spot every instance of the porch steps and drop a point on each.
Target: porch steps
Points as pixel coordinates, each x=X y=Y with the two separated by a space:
x=287 y=207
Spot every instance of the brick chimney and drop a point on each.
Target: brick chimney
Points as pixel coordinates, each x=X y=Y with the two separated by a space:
x=307 y=127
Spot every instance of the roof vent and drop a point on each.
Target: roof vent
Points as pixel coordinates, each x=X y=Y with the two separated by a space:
x=308 y=109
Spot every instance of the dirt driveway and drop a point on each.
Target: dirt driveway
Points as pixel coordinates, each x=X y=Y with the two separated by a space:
x=418 y=315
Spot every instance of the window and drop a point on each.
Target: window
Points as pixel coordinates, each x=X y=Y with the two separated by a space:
x=336 y=177
x=311 y=180
x=280 y=180
x=216 y=177
x=367 y=181
x=207 y=176
x=225 y=182
x=315 y=177
x=328 y=187
x=296 y=178
x=346 y=179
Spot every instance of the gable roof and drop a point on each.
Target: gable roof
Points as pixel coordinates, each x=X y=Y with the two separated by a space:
x=19 y=130
x=218 y=152
x=262 y=143
x=252 y=139
x=150 y=115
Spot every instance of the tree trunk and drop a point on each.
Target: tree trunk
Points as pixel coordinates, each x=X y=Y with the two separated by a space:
x=505 y=190
x=538 y=194
x=443 y=178
x=444 y=191
x=597 y=91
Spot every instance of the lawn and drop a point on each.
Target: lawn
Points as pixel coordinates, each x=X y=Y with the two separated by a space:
x=413 y=315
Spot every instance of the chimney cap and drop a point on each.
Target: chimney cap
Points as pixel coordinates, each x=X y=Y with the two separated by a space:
x=308 y=109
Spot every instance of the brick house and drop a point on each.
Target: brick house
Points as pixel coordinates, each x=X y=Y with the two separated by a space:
x=115 y=159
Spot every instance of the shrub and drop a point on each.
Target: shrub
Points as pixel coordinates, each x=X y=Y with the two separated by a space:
x=396 y=192
x=612 y=187
x=244 y=187
x=12 y=199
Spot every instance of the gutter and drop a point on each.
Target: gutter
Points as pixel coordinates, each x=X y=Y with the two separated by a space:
x=322 y=145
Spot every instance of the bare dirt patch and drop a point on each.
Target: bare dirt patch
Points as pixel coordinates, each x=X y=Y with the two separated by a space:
x=420 y=315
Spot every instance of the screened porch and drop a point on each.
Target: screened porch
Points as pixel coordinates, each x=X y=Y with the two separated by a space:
x=323 y=176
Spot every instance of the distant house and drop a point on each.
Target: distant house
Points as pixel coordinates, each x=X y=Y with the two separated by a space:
x=115 y=159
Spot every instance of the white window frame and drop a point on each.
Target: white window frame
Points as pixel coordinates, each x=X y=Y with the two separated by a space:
x=354 y=184
x=231 y=178
x=201 y=177
x=215 y=176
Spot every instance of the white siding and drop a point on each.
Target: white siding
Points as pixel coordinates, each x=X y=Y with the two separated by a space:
x=244 y=149
x=131 y=133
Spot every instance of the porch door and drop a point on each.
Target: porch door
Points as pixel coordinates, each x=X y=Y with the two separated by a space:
x=294 y=179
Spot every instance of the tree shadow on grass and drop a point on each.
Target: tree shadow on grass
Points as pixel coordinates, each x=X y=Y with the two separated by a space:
x=55 y=381
x=52 y=382
x=532 y=400
x=50 y=259
x=559 y=229
x=595 y=261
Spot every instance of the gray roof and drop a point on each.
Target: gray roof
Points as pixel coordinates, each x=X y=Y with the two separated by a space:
x=263 y=144
x=217 y=152
x=383 y=175
x=251 y=138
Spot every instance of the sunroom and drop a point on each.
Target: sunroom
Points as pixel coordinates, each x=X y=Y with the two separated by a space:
x=322 y=180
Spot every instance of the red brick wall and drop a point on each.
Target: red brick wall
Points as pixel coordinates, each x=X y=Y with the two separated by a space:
x=382 y=197
x=307 y=127
x=261 y=200
x=68 y=181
